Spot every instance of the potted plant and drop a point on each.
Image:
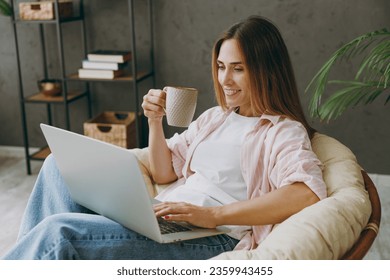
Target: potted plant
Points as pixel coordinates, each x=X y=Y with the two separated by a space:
x=371 y=80
x=5 y=8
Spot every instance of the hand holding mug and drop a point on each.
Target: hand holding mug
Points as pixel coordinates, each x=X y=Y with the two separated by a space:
x=154 y=104
x=177 y=103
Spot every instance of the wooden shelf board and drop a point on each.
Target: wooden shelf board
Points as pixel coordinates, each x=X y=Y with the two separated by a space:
x=41 y=154
x=125 y=78
x=40 y=97
x=48 y=21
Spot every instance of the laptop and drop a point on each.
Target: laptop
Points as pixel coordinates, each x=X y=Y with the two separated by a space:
x=107 y=179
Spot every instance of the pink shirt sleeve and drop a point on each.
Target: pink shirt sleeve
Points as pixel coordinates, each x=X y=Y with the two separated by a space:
x=292 y=159
x=178 y=145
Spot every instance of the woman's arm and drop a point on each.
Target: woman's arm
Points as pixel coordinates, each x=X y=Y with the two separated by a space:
x=271 y=208
x=160 y=157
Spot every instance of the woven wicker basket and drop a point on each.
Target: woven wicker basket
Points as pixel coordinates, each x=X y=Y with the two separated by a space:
x=45 y=10
x=117 y=128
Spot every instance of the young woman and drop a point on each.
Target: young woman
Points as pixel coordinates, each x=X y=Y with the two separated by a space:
x=246 y=164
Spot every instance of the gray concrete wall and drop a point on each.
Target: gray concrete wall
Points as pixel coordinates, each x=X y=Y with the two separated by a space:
x=184 y=34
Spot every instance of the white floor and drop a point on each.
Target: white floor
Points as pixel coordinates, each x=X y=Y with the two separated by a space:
x=16 y=185
x=15 y=188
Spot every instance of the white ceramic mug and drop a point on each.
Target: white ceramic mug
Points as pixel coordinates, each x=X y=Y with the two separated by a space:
x=180 y=105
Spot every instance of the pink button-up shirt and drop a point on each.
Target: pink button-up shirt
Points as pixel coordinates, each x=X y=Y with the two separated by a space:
x=276 y=153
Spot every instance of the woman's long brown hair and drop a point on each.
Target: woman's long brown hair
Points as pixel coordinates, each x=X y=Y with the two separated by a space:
x=270 y=76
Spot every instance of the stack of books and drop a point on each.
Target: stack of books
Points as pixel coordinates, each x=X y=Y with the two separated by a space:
x=104 y=64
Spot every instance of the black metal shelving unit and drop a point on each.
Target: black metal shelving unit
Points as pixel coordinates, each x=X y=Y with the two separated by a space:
x=67 y=97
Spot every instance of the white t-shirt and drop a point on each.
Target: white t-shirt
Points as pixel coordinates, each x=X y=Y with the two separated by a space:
x=217 y=178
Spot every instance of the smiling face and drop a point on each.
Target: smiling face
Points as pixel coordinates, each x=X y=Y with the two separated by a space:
x=232 y=76
x=252 y=70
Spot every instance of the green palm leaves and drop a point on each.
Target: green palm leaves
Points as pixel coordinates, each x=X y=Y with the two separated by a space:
x=5 y=8
x=371 y=80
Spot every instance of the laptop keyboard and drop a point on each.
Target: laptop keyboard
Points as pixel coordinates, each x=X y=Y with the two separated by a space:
x=170 y=227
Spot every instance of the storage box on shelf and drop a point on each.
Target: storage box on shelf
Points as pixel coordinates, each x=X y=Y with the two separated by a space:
x=117 y=128
x=45 y=10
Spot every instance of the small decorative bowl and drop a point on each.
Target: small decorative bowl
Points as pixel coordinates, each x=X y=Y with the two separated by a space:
x=50 y=87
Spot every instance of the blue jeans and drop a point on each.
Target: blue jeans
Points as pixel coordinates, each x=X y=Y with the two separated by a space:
x=55 y=227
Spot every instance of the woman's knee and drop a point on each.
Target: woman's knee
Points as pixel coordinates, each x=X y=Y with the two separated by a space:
x=49 y=164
